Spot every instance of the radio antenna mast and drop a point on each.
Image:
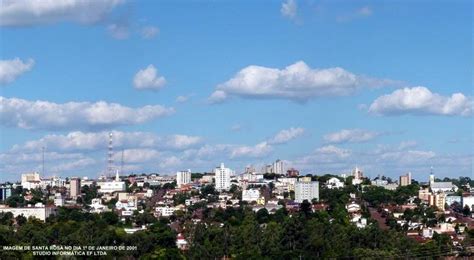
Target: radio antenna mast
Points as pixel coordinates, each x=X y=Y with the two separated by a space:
x=110 y=158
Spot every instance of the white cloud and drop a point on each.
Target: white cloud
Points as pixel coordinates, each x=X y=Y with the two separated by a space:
x=286 y=135
x=350 y=136
x=362 y=12
x=149 y=32
x=297 y=82
x=73 y=166
x=168 y=162
x=138 y=155
x=182 y=99
x=409 y=157
x=11 y=69
x=333 y=150
x=257 y=151
x=74 y=115
x=80 y=141
x=421 y=101
x=407 y=144
x=148 y=78
x=118 y=31
x=35 y=12
x=289 y=9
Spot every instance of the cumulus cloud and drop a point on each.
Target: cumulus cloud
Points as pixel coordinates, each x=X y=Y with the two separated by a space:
x=421 y=101
x=286 y=135
x=148 y=78
x=12 y=69
x=407 y=144
x=73 y=165
x=257 y=151
x=350 y=136
x=83 y=141
x=289 y=9
x=138 y=155
x=297 y=82
x=74 y=115
x=36 y=12
x=118 y=31
x=149 y=32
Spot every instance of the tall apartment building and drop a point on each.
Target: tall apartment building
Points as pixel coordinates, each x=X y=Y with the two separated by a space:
x=278 y=167
x=183 y=177
x=75 y=188
x=222 y=177
x=306 y=190
x=405 y=180
x=438 y=200
x=5 y=192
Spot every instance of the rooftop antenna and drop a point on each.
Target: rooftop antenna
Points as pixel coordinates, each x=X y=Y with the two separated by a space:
x=110 y=159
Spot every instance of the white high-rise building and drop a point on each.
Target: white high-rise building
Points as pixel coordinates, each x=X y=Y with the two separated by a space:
x=183 y=177
x=306 y=190
x=222 y=177
x=278 y=167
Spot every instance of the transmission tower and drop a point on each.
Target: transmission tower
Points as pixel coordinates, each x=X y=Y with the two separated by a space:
x=110 y=158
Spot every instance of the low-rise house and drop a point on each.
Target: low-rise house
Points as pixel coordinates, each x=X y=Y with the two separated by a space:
x=181 y=242
x=334 y=183
x=97 y=206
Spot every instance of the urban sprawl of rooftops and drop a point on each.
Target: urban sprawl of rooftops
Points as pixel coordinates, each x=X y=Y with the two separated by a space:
x=419 y=210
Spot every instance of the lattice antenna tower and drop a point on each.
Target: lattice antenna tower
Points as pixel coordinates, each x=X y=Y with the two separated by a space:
x=110 y=158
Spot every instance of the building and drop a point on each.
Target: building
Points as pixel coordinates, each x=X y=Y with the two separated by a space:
x=39 y=211
x=97 y=206
x=451 y=199
x=5 y=192
x=438 y=200
x=334 y=183
x=306 y=190
x=357 y=173
x=58 y=200
x=30 y=180
x=292 y=172
x=165 y=211
x=181 y=242
x=250 y=195
x=112 y=186
x=423 y=194
x=183 y=177
x=222 y=178
x=443 y=186
x=405 y=180
x=468 y=201
x=278 y=167
x=75 y=188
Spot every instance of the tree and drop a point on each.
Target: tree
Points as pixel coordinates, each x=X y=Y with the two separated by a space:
x=262 y=216
x=466 y=210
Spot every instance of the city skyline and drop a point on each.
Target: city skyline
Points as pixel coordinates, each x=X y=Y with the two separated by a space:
x=322 y=86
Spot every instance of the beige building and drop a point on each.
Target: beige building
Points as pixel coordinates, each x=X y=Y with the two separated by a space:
x=405 y=180
x=438 y=200
x=75 y=188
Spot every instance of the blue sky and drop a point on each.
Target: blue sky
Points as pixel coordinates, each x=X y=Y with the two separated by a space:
x=392 y=106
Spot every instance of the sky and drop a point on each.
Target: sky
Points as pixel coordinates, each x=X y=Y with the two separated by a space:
x=323 y=85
